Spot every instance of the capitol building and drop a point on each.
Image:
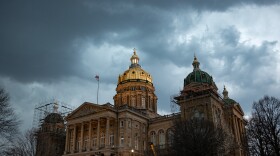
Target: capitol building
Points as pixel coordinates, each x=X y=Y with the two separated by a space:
x=130 y=125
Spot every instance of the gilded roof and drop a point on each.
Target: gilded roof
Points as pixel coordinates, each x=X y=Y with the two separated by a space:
x=135 y=73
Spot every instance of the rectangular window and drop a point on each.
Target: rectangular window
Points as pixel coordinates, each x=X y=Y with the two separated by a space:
x=112 y=140
x=129 y=124
x=94 y=142
x=122 y=140
x=121 y=124
x=136 y=142
x=102 y=140
x=129 y=141
x=143 y=102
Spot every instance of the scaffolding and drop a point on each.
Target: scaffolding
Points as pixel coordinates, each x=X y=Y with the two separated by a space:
x=45 y=108
x=174 y=107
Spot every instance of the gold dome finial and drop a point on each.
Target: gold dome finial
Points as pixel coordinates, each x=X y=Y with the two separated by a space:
x=134 y=51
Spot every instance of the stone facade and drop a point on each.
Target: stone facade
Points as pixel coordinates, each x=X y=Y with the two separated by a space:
x=132 y=123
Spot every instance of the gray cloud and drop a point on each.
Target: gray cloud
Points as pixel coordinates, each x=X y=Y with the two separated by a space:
x=54 y=49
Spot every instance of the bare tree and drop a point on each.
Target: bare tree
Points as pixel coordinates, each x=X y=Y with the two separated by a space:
x=8 y=120
x=200 y=138
x=263 y=129
x=24 y=145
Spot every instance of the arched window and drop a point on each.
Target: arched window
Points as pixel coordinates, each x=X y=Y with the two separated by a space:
x=161 y=139
x=153 y=137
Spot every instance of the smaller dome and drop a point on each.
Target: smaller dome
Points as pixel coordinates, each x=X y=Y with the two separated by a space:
x=229 y=101
x=54 y=118
x=198 y=75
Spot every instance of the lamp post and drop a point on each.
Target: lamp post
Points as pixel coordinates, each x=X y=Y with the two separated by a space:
x=132 y=151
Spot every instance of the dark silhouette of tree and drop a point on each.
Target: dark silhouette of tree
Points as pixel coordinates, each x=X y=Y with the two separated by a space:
x=23 y=145
x=263 y=129
x=199 y=137
x=8 y=120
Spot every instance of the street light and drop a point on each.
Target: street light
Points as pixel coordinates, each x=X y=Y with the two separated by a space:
x=132 y=151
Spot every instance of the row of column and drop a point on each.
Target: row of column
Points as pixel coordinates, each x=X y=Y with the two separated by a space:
x=74 y=130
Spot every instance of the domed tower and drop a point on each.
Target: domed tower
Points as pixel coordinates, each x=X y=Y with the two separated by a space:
x=135 y=88
x=199 y=97
x=51 y=136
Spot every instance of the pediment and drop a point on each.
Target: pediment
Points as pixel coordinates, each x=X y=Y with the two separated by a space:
x=85 y=109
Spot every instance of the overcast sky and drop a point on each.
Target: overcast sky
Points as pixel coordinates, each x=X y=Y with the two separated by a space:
x=53 y=49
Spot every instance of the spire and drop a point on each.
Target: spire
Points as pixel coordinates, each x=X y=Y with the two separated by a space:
x=225 y=93
x=134 y=59
x=195 y=63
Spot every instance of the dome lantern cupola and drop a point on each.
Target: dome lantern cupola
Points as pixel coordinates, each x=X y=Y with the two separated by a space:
x=195 y=63
x=134 y=60
x=225 y=93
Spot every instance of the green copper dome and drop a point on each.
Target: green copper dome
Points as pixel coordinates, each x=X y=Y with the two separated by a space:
x=198 y=75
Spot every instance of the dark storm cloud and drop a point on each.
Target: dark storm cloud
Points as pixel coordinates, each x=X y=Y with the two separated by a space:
x=37 y=38
x=51 y=48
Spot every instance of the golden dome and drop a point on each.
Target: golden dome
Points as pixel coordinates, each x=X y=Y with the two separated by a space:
x=135 y=73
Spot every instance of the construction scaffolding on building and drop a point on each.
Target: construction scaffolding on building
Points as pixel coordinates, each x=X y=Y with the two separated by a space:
x=45 y=108
x=174 y=107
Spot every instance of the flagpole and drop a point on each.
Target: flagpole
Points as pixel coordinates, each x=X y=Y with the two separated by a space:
x=97 y=78
x=97 y=89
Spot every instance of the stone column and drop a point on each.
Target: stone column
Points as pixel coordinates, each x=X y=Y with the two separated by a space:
x=98 y=129
x=89 y=135
x=237 y=129
x=82 y=137
x=241 y=130
x=234 y=127
x=67 y=141
x=107 y=132
x=74 y=139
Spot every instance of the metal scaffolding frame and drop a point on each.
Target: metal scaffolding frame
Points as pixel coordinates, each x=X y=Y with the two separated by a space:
x=43 y=109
